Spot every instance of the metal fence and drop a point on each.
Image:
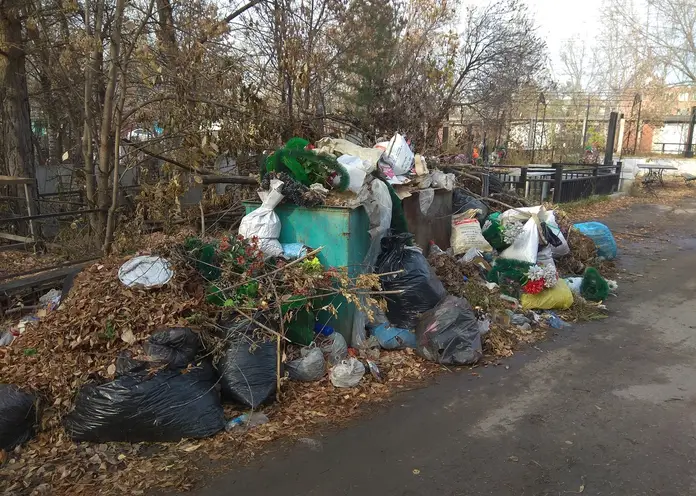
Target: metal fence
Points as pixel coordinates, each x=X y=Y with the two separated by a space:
x=560 y=183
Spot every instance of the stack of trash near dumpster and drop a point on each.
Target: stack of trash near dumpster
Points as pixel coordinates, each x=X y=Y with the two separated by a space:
x=200 y=336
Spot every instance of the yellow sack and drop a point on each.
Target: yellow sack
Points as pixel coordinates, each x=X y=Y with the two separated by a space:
x=559 y=297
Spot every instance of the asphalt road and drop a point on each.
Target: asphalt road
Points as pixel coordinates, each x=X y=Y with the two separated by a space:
x=605 y=408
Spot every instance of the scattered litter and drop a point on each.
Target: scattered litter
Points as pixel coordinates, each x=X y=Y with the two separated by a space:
x=247 y=420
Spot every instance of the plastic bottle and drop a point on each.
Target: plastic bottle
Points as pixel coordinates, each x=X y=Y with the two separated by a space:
x=434 y=249
x=256 y=418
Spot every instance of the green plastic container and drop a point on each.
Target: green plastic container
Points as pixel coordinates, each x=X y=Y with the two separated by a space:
x=343 y=234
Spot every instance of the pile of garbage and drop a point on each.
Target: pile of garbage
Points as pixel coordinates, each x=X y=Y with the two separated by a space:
x=237 y=336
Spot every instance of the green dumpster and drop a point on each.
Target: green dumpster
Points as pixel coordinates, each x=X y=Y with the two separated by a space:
x=343 y=233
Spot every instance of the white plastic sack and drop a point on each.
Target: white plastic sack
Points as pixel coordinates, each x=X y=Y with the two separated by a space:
x=145 y=272
x=466 y=234
x=525 y=246
x=525 y=213
x=357 y=171
x=264 y=224
x=348 y=373
x=401 y=153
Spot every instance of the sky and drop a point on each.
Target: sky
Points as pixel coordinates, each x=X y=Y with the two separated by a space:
x=560 y=20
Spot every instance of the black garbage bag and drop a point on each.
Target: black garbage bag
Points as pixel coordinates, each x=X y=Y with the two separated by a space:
x=463 y=201
x=248 y=367
x=176 y=347
x=17 y=416
x=168 y=405
x=422 y=290
x=449 y=333
x=248 y=372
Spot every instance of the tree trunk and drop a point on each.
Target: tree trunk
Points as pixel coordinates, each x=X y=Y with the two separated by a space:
x=106 y=139
x=16 y=117
x=91 y=70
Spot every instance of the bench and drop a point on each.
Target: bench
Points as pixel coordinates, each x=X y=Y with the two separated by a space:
x=688 y=178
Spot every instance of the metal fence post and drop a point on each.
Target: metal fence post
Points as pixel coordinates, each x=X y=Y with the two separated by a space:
x=522 y=183
x=595 y=175
x=558 y=183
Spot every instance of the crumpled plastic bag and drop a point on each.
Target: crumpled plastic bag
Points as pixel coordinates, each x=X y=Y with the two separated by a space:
x=462 y=201
x=309 y=368
x=264 y=224
x=399 y=151
x=422 y=290
x=348 y=373
x=526 y=245
x=17 y=416
x=335 y=348
x=357 y=171
x=449 y=333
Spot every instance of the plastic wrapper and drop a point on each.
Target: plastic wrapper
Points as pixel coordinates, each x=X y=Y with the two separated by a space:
x=264 y=224
x=422 y=290
x=450 y=334
x=348 y=373
x=602 y=237
x=139 y=407
x=17 y=416
x=176 y=347
x=308 y=368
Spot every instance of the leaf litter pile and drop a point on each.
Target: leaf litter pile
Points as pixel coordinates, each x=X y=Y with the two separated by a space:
x=79 y=342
